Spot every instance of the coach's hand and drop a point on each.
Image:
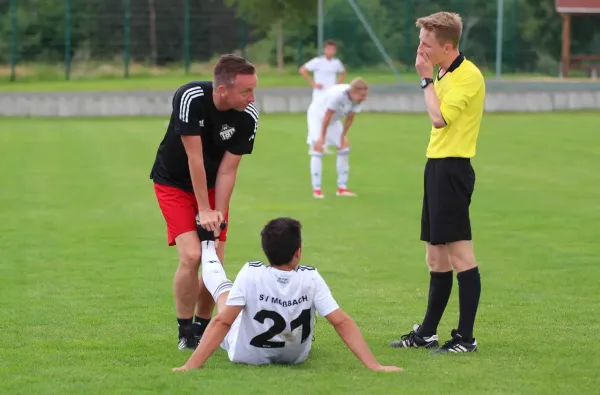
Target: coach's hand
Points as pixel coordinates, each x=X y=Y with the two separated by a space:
x=209 y=219
x=423 y=65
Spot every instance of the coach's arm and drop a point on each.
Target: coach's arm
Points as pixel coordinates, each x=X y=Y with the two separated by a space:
x=212 y=338
x=193 y=148
x=226 y=176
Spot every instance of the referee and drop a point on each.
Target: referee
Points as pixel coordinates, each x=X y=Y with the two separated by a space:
x=455 y=104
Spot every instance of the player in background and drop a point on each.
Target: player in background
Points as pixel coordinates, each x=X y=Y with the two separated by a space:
x=325 y=127
x=213 y=124
x=327 y=70
x=267 y=315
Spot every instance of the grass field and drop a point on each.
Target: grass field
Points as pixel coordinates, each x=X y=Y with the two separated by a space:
x=30 y=79
x=268 y=78
x=86 y=276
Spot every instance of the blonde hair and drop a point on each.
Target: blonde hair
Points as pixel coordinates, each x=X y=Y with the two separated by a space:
x=447 y=26
x=358 y=84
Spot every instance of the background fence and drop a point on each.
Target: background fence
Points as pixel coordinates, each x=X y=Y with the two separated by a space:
x=48 y=39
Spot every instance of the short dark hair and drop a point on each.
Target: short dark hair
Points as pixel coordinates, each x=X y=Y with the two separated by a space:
x=329 y=42
x=230 y=66
x=281 y=238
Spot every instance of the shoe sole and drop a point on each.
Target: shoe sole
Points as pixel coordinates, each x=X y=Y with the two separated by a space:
x=427 y=346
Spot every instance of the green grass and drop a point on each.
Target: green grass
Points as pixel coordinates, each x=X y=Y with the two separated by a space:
x=86 y=276
x=268 y=78
x=40 y=78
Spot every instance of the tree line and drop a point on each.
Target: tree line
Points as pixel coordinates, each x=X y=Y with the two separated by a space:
x=162 y=32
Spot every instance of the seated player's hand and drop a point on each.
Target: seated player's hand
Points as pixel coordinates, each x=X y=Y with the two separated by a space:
x=209 y=219
x=381 y=368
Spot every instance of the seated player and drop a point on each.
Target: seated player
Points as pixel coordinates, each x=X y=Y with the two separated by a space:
x=325 y=128
x=267 y=316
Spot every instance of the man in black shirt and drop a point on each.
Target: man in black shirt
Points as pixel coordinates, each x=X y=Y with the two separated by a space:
x=213 y=124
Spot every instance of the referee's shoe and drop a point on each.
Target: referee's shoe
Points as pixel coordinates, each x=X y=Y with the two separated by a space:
x=413 y=339
x=457 y=344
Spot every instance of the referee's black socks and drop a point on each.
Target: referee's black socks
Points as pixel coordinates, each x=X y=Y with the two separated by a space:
x=469 y=290
x=440 y=288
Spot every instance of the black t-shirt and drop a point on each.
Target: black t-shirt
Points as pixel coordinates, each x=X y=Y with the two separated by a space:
x=194 y=113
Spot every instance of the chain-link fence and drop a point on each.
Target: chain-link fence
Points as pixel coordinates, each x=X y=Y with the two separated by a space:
x=49 y=39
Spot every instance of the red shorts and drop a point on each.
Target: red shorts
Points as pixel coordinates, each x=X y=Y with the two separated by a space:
x=180 y=208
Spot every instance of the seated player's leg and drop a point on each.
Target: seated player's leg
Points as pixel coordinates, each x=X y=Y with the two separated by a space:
x=334 y=137
x=217 y=282
x=178 y=210
x=456 y=234
x=316 y=158
x=205 y=304
x=213 y=273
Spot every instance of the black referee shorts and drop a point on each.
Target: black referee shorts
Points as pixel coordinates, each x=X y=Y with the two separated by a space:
x=449 y=185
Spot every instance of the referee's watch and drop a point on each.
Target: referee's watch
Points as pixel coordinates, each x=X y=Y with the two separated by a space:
x=425 y=82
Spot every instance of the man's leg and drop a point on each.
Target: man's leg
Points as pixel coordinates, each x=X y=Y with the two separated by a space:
x=219 y=286
x=334 y=137
x=185 y=287
x=205 y=304
x=316 y=171
x=440 y=269
x=469 y=286
x=456 y=233
x=213 y=274
x=316 y=158
x=440 y=288
x=178 y=209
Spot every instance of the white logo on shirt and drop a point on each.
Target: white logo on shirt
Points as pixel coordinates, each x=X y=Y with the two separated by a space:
x=201 y=123
x=226 y=132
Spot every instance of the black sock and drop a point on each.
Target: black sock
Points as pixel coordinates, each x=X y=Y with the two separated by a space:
x=200 y=325
x=183 y=324
x=440 y=287
x=469 y=290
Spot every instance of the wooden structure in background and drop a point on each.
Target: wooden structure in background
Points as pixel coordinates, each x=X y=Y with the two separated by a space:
x=567 y=9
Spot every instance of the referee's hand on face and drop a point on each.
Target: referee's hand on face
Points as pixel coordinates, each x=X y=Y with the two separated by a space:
x=423 y=65
x=210 y=219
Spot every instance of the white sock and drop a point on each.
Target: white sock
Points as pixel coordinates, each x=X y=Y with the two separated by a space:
x=316 y=166
x=343 y=167
x=213 y=273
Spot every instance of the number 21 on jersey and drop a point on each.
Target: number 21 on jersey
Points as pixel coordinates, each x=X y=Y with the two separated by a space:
x=279 y=325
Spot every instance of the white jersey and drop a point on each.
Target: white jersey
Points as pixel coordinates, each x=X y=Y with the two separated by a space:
x=324 y=72
x=277 y=322
x=336 y=98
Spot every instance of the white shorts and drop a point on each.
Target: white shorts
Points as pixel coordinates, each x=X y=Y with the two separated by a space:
x=228 y=344
x=333 y=135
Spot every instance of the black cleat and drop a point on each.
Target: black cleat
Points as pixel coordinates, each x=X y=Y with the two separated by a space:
x=413 y=340
x=187 y=338
x=457 y=345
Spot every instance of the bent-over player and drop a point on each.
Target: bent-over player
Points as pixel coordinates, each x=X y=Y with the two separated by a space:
x=325 y=128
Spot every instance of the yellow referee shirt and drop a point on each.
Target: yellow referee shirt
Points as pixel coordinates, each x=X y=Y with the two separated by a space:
x=461 y=91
